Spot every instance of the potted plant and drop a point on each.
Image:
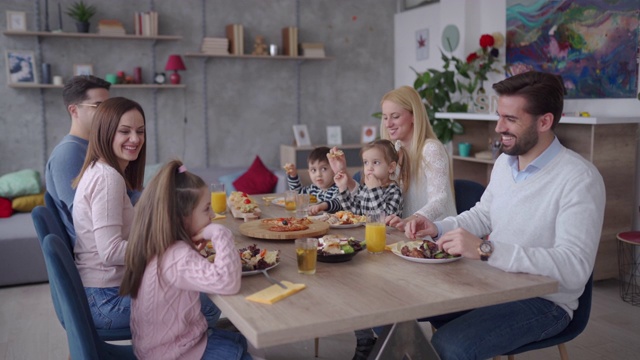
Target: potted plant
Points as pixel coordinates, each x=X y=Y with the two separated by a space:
x=81 y=13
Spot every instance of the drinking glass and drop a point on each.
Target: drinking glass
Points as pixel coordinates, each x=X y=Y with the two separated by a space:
x=218 y=198
x=290 y=200
x=302 y=205
x=307 y=254
x=375 y=233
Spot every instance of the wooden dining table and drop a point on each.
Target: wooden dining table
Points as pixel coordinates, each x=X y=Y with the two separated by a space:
x=368 y=291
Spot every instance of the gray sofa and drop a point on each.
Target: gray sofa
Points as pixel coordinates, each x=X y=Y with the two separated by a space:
x=21 y=259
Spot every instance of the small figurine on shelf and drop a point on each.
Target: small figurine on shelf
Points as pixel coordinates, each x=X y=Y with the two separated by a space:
x=259 y=48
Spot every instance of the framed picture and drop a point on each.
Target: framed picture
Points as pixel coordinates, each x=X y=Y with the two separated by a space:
x=301 y=133
x=82 y=69
x=21 y=67
x=16 y=21
x=334 y=135
x=369 y=133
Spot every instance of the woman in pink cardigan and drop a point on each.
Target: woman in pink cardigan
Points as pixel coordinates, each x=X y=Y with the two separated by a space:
x=165 y=273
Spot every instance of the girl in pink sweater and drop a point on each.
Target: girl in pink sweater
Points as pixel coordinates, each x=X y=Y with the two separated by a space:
x=164 y=272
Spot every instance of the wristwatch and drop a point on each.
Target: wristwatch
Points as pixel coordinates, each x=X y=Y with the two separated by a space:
x=485 y=249
x=159 y=78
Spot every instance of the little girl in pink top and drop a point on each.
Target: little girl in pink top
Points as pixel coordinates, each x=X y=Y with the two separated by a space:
x=164 y=272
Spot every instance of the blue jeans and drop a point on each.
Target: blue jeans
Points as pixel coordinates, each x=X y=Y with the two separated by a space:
x=111 y=311
x=496 y=330
x=108 y=309
x=225 y=345
x=209 y=310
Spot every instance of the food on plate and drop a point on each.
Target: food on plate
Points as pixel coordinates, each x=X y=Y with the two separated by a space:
x=345 y=218
x=426 y=250
x=251 y=257
x=287 y=224
x=242 y=202
x=333 y=244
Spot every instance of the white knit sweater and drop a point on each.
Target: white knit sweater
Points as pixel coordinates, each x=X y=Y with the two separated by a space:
x=548 y=224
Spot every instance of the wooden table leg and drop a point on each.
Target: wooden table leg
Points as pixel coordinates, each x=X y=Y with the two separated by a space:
x=404 y=340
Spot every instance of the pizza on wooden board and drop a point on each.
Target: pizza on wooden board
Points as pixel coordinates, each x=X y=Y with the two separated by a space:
x=287 y=224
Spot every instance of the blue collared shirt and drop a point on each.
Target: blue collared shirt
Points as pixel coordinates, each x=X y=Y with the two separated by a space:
x=537 y=164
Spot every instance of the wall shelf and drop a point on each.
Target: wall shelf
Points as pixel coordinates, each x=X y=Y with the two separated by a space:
x=276 y=57
x=114 y=86
x=90 y=35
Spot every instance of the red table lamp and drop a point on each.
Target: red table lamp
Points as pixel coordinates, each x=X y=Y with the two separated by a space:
x=175 y=63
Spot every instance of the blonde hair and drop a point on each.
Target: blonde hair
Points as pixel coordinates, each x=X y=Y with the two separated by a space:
x=391 y=155
x=158 y=221
x=408 y=98
x=103 y=130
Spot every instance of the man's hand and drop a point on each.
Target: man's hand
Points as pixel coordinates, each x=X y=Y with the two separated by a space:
x=460 y=242
x=418 y=226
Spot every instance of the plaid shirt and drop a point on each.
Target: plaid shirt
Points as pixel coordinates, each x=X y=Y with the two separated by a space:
x=363 y=200
x=330 y=196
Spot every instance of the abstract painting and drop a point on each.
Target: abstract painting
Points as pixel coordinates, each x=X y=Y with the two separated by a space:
x=592 y=44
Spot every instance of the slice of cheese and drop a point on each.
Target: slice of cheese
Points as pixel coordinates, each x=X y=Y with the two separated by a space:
x=275 y=293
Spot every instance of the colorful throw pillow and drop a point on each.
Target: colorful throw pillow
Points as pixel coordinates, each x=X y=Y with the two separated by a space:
x=257 y=180
x=5 y=208
x=19 y=183
x=27 y=203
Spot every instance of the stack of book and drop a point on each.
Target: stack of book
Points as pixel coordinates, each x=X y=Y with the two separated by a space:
x=146 y=23
x=312 y=49
x=215 y=46
x=110 y=27
x=235 y=34
x=290 y=41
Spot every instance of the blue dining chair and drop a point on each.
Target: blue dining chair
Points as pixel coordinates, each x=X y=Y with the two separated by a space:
x=576 y=327
x=467 y=193
x=67 y=291
x=51 y=205
x=45 y=224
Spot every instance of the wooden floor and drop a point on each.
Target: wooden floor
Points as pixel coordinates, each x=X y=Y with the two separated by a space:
x=29 y=329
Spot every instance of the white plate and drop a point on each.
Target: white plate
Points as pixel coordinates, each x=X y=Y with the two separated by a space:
x=345 y=226
x=278 y=201
x=395 y=248
x=254 y=272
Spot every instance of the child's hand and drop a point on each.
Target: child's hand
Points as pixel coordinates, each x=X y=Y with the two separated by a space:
x=198 y=240
x=371 y=181
x=290 y=169
x=341 y=180
x=315 y=209
x=337 y=160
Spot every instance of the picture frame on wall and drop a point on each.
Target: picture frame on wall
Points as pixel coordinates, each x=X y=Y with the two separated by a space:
x=301 y=134
x=16 y=21
x=82 y=69
x=21 y=67
x=334 y=135
x=369 y=133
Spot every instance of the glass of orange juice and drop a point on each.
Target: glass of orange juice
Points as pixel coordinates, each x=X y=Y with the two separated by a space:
x=218 y=198
x=290 y=200
x=307 y=254
x=375 y=233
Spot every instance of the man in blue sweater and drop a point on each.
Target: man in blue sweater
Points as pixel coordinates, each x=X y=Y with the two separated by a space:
x=542 y=212
x=81 y=95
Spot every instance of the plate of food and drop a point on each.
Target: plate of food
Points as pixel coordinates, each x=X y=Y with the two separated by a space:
x=422 y=251
x=342 y=219
x=337 y=248
x=253 y=259
x=278 y=201
x=242 y=206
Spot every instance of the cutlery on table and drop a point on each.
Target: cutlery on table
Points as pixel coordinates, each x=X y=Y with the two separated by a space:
x=273 y=281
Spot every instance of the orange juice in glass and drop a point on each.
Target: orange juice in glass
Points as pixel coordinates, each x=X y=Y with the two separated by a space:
x=218 y=198
x=290 y=200
x=375 y=233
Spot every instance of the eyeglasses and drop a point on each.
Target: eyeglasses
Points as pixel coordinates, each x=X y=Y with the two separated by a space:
x=90 y=105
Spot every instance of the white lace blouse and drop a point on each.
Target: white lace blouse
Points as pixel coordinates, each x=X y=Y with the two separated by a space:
x=431 y=195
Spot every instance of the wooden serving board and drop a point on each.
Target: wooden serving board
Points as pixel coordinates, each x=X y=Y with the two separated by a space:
x=257 y=229
x=240 y=215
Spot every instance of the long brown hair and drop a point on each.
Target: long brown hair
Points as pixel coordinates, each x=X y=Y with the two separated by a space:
x=158 y=221
x=391 y=155
x=103 y=130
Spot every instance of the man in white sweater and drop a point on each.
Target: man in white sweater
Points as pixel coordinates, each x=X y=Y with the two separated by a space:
x=542 y=212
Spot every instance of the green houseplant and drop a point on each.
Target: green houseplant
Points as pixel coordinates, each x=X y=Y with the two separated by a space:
x=81 y=13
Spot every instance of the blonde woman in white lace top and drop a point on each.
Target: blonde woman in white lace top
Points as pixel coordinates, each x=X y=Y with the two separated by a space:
x=405 y=121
